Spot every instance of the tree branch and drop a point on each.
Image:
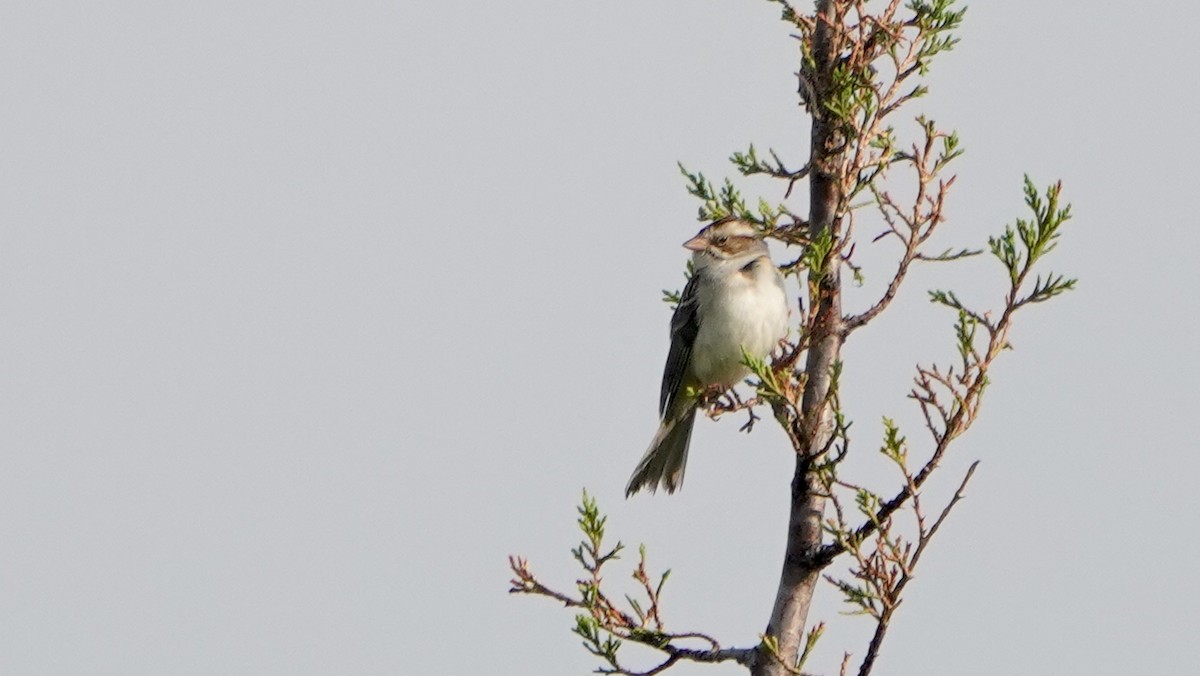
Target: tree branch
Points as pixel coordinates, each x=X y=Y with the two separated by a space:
x=884 y=621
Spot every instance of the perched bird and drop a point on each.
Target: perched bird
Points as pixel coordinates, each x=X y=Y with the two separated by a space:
x=735 y=300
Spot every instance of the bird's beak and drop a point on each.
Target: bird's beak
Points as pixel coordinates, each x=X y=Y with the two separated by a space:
x=696 y=243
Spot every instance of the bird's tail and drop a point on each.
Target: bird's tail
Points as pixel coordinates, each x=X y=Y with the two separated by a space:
x=664 y=461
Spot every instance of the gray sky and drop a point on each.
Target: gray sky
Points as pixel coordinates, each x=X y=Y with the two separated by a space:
x=313 y=312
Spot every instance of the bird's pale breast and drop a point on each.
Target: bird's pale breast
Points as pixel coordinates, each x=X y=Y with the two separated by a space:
x=749 y=312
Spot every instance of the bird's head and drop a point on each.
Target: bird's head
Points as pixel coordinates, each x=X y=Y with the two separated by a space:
x=726 y=239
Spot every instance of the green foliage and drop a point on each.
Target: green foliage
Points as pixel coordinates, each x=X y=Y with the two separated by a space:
x=859 y=596
x=964 y=332
x=770 y=644
x=1019 y=248
x=850 y=92
x=749 y=164
x=590 y=554
x=936 y=21
x=598 y=643
x=1037 y=237
x=788 y=12
x=602 y=625
x=715 y=203
x=894 y=446
x=951 y=148
x=728 y=202
x=591 y=523
x=769 y=386
x=816 y=254
x=810 y=642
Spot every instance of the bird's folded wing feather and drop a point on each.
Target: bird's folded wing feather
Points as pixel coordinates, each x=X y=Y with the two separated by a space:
x=685 y=323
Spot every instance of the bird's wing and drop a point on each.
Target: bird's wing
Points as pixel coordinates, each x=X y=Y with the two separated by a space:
x=685 y=323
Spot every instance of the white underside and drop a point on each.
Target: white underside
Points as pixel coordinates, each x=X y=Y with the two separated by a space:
x=742 y=311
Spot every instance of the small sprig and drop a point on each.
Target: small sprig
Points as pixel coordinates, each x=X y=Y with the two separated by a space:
x=727 y=202
x=716 y=203
x=750 y=164
x=602 y=624
x=769 y=645
x=1037 y=237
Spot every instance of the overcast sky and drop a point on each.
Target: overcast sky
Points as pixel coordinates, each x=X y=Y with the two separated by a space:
x=312 y=312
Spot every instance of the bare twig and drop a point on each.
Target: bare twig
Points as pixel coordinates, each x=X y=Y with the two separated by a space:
x=909 y=565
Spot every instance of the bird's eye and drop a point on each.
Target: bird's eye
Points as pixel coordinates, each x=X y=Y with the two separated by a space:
x=720 y=241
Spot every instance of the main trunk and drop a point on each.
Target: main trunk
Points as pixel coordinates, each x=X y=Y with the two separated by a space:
x=799 y=577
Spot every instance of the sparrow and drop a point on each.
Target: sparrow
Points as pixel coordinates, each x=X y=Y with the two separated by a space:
x=734 y=301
